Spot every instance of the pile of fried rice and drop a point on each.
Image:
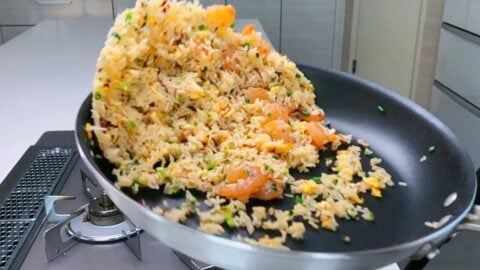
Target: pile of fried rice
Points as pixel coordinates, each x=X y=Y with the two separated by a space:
x=183 y=102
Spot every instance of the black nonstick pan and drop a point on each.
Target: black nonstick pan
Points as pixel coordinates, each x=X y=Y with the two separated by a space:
x=398 y=131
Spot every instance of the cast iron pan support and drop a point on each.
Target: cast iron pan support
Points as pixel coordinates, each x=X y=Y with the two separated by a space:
x=417 y=264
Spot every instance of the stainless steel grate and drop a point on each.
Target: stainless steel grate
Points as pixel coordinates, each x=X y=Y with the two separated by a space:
x=43 y=173
x=24 y=203
x=11 y=234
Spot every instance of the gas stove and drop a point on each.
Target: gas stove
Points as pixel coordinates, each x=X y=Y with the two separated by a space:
x=55 y=216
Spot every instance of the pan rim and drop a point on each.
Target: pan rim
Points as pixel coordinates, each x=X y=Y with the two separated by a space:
x=228 y=243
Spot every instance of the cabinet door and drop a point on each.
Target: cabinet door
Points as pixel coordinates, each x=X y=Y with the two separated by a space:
x=463 y=122
x=308 y=31
x=266 y=11
x=10 y=32
x=473 y=17
x=121 y=5
x=206 y=3
x=458 y=64
x=455 y=12
x=29 y=12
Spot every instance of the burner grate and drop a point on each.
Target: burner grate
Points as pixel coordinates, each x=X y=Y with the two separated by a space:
x=12 y=233
x=24 y=203
x=45 y=169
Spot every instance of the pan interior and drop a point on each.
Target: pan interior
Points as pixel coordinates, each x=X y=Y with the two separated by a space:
x=400 y=135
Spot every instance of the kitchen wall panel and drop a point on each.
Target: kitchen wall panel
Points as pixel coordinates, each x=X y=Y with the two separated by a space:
x=458 y=64
x=308 y=31
x=473 y=17
x=464 y=124
x=10 y=32
x=206 y=3
x=29 y=12
x=266 y=11
x=120 y=5
x=456 y=12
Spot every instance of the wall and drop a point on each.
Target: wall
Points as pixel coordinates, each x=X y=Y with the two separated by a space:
x=308 y=31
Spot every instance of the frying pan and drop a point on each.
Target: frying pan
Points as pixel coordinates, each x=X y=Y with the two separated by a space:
x=398 y=131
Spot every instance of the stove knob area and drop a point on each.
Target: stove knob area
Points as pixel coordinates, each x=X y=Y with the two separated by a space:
x=103 y=212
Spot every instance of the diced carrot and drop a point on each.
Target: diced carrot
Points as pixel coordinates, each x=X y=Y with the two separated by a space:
x=318 y=135
x=245 y=187
x=264 y=47
x=220 y=16
x=248 y=29
x=276 y=111
x=270 y=191
x=314 y=117
x=278 y=130
x=254 y=93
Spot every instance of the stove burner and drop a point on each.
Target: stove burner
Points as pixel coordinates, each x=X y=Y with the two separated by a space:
x=102 y=212
x=100 y=221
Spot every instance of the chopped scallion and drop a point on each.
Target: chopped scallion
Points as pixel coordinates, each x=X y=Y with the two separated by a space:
x=367 y=152
x=306 y=113
x=298 y=200
x=129 y=17
x=247 y=99
x=273 y=186
x=298 y=76
x=230 y=221
x=201 y=27
x=98 y=95
x=289 y=93
x=317 y=179
x=123 y=86
x=380 y=109
x=247 y=172
x=117 y=36
x=190 y=198
x=211 y=165
x=132 y=124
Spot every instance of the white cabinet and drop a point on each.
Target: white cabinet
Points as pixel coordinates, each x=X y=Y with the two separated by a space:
x=308 y=31
x=473 y=17
x=266 y=11
x=10 y=32
x=206 y=3
x=121 y=5
x=464 y=14
x=458 y=64
x=455 y=12
x=464 y=123
x=30 y=12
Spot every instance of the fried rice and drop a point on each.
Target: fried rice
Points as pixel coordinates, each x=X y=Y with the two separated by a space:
x=183 y=102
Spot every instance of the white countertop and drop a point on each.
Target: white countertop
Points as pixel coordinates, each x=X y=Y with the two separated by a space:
x=45 y=74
